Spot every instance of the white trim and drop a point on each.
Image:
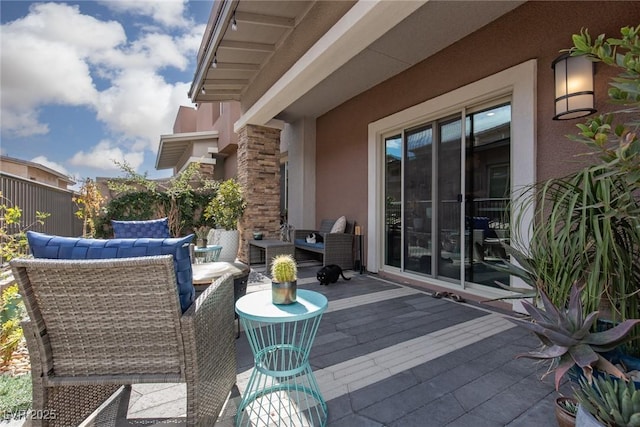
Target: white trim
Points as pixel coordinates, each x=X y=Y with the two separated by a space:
x=190 y=136
x=202 y=160
x=363 y=24
x=519 y=82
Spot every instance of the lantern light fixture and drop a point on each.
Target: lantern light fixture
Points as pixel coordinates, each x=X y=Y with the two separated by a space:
x=574 y=95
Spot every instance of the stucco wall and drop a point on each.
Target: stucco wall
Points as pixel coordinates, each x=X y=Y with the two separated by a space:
x=185 y=120
x=535 y=30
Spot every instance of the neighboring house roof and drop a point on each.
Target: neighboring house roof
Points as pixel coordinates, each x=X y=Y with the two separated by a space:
x=34 y=171
x=290 y=59
x=177 y=149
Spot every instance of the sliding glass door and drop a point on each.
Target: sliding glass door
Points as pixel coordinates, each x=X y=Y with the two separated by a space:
x=488 y=187
x=447 y=190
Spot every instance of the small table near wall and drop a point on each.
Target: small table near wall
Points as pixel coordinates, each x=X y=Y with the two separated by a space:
x=282 y=389
x=266 y=250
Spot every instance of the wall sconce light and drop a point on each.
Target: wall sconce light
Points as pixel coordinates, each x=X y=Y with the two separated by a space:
x=573 y=76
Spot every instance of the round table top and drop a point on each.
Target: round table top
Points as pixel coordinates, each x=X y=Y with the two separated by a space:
x=204 y=274
x=259 y=307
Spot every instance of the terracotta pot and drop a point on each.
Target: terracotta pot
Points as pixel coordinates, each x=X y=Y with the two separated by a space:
x=564 y=417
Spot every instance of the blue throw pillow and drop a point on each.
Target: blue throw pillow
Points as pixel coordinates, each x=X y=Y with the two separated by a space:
x=158 y=228
x=58 y=247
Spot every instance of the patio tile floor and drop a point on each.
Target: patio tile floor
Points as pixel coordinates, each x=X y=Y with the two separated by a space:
x=391 y=355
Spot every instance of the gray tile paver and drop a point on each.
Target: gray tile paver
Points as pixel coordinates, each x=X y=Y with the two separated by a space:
x=372 y=376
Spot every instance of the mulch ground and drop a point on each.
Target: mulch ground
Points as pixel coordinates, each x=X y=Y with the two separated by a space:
x=19 y=363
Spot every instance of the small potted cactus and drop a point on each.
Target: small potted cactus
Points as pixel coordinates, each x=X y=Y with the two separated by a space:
x=284 y=278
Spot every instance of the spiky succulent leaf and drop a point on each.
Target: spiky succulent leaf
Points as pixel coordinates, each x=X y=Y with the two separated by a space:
x=614 y=336
x=550 y=352
x=583 y=355
x=585 y=330
x=574 y=312
x=551 y=310
x=567 y=338
x=565 y=364
x=536 y=314
x=556 y=336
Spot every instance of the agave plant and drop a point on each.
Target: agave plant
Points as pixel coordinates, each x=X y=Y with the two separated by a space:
x=568 y=340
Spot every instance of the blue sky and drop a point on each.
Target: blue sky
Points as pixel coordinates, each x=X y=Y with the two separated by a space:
x=86 y=83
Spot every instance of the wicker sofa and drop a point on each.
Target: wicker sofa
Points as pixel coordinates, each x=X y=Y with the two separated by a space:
x=337 y=248
x=95 y=325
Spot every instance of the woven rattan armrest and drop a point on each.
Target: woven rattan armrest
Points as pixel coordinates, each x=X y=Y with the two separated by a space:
x=210 y=352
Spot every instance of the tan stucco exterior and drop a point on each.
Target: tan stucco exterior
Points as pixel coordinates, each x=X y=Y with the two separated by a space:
x=379 y=62
x=203 y=134
x=536 y=30
x=34 y=171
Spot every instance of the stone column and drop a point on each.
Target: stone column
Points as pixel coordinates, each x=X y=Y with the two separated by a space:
x=259 y=176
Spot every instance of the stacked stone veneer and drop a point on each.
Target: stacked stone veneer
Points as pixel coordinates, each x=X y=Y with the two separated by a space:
x=259 y=176
x=206 y=170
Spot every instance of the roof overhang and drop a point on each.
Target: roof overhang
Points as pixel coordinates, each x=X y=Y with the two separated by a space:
x=173 y=147
x=264 y=65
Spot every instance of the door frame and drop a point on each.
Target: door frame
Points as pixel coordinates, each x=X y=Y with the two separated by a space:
x=518 y=82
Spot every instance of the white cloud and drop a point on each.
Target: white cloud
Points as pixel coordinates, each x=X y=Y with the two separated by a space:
x=19 y=122
x=43 y=61
x=57 y=56
x=151 y=52
x=166 y=12
x=142 y=105
x=51 y=165
x=104 y=155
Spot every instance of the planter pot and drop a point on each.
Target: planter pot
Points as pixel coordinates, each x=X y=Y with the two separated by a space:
x=230 y=242
x=585 y=419
x=284 y=293
x=564 y=417
x=201 y=243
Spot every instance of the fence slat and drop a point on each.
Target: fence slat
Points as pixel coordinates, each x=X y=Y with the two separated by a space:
x=33 y=196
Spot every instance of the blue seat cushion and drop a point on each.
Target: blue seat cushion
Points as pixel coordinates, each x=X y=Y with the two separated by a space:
x=303 y=242
x=58 y=247
x=158 y=228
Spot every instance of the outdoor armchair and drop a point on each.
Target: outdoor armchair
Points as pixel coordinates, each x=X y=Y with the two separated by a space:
x=336 y=248
x=95 y=325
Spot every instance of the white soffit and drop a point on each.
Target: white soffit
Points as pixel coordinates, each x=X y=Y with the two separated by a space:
x=173 y=146
x=369 y=45
x=363 y=24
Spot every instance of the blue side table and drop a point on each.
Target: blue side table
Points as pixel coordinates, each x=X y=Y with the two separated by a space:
x=282 y=389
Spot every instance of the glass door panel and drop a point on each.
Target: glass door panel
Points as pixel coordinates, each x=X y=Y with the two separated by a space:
x=393 y=201
x=449 y=198
x=426 y=230
x=417 y=196
x=487 y=184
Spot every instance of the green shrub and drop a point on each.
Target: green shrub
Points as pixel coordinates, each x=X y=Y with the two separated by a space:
x=226 y=208
x=181 y=199
x=15 y=396
x=11 y=313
